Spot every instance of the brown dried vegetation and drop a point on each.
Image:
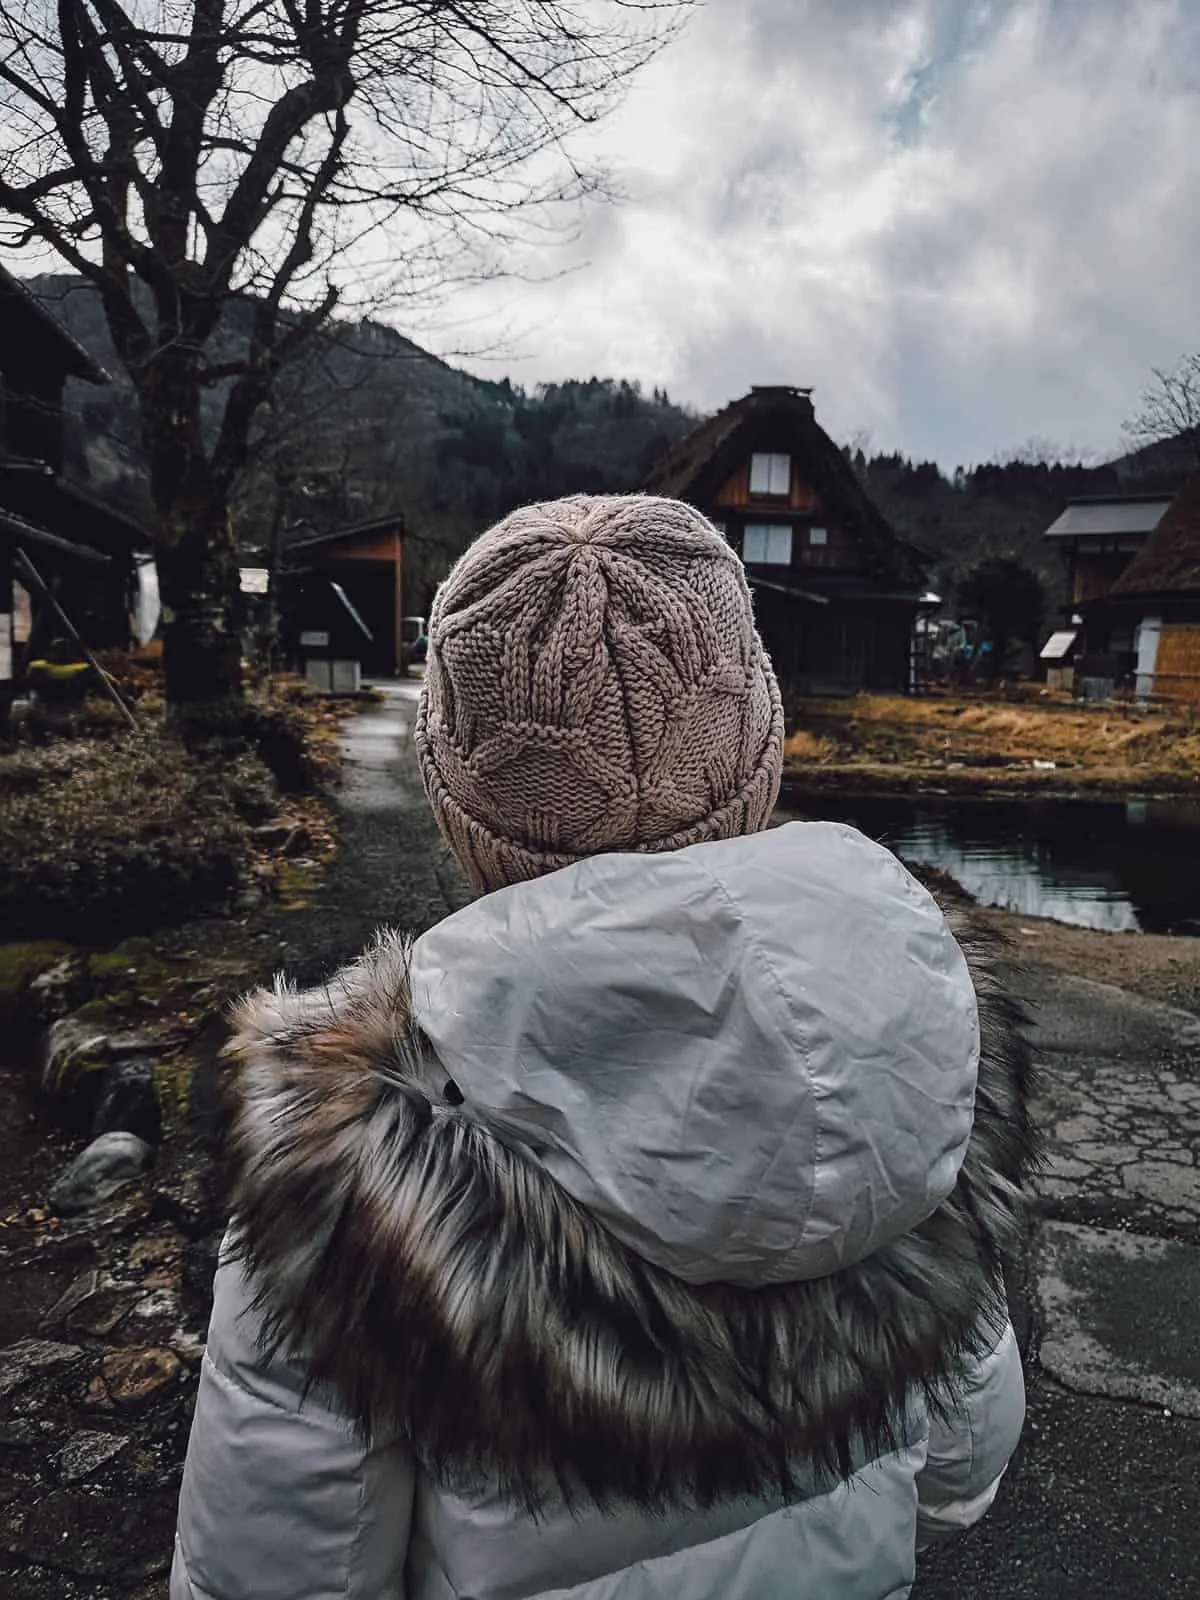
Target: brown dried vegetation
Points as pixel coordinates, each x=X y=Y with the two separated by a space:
x=1046 y=745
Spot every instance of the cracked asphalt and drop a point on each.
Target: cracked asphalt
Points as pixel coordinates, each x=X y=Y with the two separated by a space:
x=1121 y=1108
x=1104 y=1495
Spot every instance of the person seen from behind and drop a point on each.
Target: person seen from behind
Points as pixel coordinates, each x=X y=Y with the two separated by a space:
x=637 y=1232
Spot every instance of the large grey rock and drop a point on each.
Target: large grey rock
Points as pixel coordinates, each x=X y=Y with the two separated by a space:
x=74 y=1056
x=86 y=1452
x=102 y=1081
x=97 y=1173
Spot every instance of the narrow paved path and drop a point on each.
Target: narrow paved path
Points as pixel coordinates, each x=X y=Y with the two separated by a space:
x=392 y=868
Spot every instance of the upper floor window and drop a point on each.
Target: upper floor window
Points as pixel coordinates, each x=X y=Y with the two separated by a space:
x=767 y=544
x=770 y=474
x=818 y=536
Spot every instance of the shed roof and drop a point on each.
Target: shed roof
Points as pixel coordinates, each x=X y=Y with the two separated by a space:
x=1170 y=563
x=354 y=530
x=37 y=495
x=697 y=466
x=1109 y=516
x=19 y=532
x=23 y=316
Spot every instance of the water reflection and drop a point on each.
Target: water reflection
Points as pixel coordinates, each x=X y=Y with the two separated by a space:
x=1119 y=866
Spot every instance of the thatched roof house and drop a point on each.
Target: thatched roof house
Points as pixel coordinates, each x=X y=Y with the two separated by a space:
x=836 y=590
x=1168 y=567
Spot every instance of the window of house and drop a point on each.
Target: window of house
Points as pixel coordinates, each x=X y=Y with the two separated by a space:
x=818 y=536
x=767 y=544
x=770 y=474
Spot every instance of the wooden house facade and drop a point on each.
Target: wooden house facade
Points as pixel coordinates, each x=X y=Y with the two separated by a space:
x=836 y=592
x=85 y=551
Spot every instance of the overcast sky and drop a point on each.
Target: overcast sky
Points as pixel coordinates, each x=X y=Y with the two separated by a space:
x=964 y=224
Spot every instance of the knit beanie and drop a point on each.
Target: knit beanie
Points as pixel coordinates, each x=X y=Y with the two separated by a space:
x=594 y=682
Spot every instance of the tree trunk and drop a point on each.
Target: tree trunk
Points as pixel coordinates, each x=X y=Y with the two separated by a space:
x=194 y=546
x=197 y=575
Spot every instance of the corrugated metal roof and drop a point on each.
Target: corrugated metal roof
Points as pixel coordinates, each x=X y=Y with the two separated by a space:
x=1111 y=518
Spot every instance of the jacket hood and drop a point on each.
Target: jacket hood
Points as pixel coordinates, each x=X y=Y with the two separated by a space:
x=575 y=1271
x=753 y=1060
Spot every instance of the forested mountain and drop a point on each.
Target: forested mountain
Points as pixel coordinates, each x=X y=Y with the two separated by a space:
x=368 y=423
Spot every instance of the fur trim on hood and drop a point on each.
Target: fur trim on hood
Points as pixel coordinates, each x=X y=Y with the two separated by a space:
x=453 y=1293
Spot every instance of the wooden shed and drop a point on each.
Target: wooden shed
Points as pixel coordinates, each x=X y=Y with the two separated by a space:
x=346 y=587
x=836 y=592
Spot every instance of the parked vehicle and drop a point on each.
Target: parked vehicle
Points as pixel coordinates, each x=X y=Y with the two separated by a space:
x=414 y=642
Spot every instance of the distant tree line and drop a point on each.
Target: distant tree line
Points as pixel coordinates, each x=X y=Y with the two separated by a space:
x=505 y=446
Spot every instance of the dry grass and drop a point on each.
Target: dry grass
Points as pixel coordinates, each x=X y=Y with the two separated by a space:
x=1046 y=743
x=805 y=746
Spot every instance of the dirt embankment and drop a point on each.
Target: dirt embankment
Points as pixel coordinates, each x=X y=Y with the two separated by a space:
x=1153 y=966
x=1045 y=746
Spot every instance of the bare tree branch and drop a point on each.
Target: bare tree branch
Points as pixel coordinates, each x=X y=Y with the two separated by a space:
x=193 y=156
x=1170 y=409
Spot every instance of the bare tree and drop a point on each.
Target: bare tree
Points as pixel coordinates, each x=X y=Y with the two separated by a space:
x=1169 y=411
x=185 y=154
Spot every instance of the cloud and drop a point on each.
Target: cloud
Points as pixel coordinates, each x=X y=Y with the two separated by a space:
x=964 y=223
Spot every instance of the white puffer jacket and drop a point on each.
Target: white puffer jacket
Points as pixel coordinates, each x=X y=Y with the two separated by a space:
x=635 y=1234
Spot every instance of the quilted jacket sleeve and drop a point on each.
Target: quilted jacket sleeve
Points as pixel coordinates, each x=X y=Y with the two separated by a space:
x=280 y=1499
x=970 y=1449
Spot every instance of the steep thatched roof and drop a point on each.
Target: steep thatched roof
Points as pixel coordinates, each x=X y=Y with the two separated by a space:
x=700 y=463
x=1170 y=562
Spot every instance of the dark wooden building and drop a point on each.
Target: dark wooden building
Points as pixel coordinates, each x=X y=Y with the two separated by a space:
x=836 y=591
x=347 y=586
x=85 y=550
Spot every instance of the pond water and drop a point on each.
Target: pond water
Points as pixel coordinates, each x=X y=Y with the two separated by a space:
x=1118 y=866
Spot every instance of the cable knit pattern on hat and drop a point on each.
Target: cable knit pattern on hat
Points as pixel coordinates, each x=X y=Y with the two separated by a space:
x=595 y=682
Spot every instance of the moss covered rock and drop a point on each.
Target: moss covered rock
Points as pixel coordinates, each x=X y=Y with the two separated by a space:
x=20 y=964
